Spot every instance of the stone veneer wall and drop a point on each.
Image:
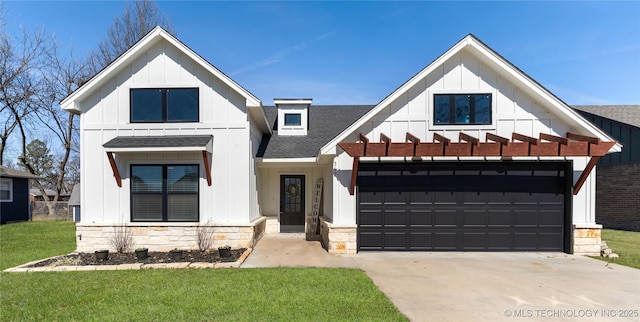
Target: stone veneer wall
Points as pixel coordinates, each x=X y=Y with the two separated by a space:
x=92 y=237
x=587 y=240
x=618 y=196
x=338 y=239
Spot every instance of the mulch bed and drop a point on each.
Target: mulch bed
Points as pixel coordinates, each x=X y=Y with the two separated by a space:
x=82 y=259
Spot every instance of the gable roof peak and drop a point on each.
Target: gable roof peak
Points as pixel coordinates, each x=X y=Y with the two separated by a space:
x=69 y=103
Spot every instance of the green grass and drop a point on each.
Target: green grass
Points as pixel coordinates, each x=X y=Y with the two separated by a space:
x=176 y=295
x=624 y=243
x=24 y=242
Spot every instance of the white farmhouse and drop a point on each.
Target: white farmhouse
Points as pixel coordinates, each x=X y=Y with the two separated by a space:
x=469 y=154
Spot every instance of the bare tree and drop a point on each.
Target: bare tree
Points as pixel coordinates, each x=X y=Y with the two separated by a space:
x=20 y=86
x=62 y=75
x=138 y=19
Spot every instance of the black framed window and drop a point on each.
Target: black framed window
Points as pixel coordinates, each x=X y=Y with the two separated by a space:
x=292 y=119
x=164 y=105
x=165 y=192
x=473 y=109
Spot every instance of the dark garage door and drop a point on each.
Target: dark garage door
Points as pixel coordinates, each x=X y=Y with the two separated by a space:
x=462 y=206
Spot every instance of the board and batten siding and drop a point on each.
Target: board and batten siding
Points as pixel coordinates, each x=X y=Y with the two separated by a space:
x=513 y=111
x=223 y=114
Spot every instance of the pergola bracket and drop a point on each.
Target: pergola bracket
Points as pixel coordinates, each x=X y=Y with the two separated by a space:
x=114 y=168
x=585 y=173
x=207 y=166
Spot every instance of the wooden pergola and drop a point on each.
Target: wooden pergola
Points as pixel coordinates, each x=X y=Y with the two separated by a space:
x=519 y=145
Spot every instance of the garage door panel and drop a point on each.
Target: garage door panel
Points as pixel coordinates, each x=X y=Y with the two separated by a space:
x=474 y=241
x=444 y=241
x=525 y=218
x=444 y=198
x=370 y=239
x=500 y=218
x=420 y=218
x=371 y=218
x=549 y=241
x=473 y=209
x=394 y=218
x=421 y=240
x=550 y=218
x=499 y=241
x=420 y=198
x=445 y=218
x=525 y=240
x=475 y=218
x=475 y=198
x=395 y=240
x=371 y=197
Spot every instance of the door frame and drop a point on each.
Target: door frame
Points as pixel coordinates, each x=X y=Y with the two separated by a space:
x=303 y=196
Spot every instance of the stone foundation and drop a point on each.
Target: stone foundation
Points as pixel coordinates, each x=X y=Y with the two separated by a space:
x=587 y=240
x=161 y=237
x=272 y=225
x=338 y=239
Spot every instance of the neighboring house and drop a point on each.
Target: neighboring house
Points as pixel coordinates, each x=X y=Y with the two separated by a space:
x=618 y=175
x=36 y=195
x=170 y=144
x=74 y=202
x=14 y=195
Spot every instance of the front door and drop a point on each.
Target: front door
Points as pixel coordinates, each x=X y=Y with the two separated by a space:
x=292 y=200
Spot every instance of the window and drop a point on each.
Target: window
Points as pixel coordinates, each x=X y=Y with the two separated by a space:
x=6 y=190
x=292 y=119
x=164 y=105
x=164 y=192
x=461 y=109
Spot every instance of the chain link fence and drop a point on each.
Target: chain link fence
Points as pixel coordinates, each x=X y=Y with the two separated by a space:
x=60 y=211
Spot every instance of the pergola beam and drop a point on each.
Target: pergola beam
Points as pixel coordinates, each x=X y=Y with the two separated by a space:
x=519 y=145
x=573 y=145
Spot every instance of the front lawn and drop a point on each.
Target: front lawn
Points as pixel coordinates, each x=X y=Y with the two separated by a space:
x=28 y=241
x=624 y=243
x=175 y=295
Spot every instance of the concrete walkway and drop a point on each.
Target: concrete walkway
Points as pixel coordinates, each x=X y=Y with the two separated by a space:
x=292 y=250
x=459 y=286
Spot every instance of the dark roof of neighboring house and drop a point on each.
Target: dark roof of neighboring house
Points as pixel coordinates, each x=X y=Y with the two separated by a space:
x=628 y=114
x=13 y=173
x=158 y=141
x=74 y=200
x=325 y=122
x=49 y=192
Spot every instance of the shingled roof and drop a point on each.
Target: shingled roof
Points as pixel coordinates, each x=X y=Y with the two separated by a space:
x=325 y=122
x=628 y=114
x=7 y=172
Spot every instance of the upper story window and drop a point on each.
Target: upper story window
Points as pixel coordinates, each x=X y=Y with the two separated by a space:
x=454 y=109
x=164 y=105
x=292 y=119
x=6 y=189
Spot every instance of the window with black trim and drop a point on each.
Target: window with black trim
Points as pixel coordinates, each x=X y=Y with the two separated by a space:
x=453 y=109
x=164 y=105
x=292 y=119
x=164 y=192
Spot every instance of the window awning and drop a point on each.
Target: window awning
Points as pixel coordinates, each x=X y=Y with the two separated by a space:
x=174 y=143
x=467 y=145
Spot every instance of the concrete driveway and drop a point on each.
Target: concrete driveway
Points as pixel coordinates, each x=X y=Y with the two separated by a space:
x=460 y=286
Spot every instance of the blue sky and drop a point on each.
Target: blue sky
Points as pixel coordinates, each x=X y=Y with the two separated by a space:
x=359 y=52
